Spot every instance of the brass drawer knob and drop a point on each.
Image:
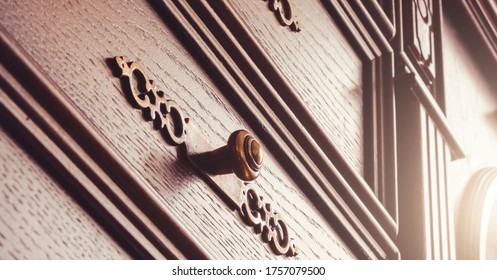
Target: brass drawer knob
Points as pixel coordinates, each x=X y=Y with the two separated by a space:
x=243 y=155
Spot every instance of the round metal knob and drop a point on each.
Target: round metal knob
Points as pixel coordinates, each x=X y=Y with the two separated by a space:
x=243 y=155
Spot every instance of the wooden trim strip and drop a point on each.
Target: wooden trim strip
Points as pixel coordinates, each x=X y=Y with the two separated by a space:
x=484 y=16
x=383 y=103
x=424 y=96
x=55 y=159
x=374 y=27
x=379 y=17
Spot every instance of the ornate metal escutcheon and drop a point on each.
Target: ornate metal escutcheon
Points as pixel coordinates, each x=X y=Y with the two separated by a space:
x=156 y=107
x=227 y=169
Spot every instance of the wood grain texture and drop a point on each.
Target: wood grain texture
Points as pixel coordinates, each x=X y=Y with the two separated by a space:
x=71 y=41
x=287 y=93
x=322 y=67
x=39 y=219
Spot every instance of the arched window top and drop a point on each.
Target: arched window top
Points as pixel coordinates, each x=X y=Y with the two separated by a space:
x=477 y=219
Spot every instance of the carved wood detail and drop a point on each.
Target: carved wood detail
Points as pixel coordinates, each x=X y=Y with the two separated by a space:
x=419 y=84
x=418 y=44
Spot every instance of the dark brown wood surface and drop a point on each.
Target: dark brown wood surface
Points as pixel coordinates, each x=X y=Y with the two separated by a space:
x=39 y=219
x=321 y=66
x=302 y=125
x=71 y=42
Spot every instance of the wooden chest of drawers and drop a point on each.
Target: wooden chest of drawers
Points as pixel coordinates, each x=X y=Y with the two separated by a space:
x=312 y=81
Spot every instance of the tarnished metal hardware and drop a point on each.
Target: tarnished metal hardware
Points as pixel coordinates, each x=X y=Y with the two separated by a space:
x=267 y=222
x=242 y=156
x=155 y=105
x=198 y=150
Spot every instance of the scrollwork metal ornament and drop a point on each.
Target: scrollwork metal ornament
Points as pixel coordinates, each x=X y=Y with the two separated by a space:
x=268 y=223
x=242 y=152
x=164 y=112
x=283 y=11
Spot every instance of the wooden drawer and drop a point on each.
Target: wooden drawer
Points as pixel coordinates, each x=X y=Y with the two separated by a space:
x=318 y=100
x=347 y=99
x=77 y=101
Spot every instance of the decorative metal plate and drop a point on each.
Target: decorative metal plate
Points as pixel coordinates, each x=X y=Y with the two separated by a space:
x=180 y=131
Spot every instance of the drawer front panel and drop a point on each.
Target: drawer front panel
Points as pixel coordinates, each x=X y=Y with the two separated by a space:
x=73 y=45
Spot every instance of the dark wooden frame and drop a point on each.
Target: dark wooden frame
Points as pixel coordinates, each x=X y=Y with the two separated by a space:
x=424 y=140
